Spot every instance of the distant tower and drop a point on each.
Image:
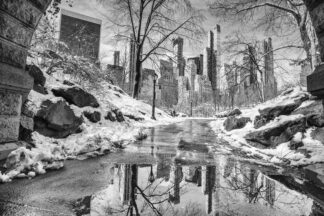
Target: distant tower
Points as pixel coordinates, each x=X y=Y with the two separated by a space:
x=132 y=57
x=217 y=36
x=116 y=58
x=179 y=60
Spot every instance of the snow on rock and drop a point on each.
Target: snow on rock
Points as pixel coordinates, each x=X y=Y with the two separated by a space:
x=288 y=146
x=95 y=136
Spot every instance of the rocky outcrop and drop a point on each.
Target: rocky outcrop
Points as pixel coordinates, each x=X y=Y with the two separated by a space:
x=39 y=78
x=232 y=123
x=37 y=74
x=111 y=116
x=55 y=118
x=26 y=128
x=285 y=108
x=119 y=115
x=279 y=131
x=77 y=96
x=93 y=116
x=233 y=112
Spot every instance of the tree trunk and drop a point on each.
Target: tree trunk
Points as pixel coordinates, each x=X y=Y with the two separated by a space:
x=306 y=43
x=138 y=74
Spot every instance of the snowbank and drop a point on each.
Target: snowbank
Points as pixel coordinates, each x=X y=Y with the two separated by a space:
x=93 y=140
x=312 y=150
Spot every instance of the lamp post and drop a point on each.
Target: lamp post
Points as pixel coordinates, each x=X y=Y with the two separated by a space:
x=155 y=76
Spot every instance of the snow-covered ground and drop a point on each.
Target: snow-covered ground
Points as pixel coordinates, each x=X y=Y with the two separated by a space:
x=95 y=138
x=282 y=153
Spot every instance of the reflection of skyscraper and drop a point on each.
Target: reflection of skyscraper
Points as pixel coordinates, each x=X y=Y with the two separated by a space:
x=210 y=183
x=176 y=177
x=123 y=177
x=270 y=191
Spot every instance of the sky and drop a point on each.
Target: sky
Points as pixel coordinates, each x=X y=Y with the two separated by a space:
x=108 y=46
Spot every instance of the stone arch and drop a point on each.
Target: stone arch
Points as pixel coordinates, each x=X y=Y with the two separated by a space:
x=18 y=21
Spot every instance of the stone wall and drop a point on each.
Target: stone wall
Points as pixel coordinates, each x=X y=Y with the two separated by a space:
x=18 y=20
x=315 y=81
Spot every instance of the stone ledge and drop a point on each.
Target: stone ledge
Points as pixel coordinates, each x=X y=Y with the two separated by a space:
x=15 y=79
x=10 y=103
x=6 y=148
x=9 y=128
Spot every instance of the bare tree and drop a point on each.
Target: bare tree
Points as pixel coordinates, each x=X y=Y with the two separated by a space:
x=278 y=16
x=151 y=24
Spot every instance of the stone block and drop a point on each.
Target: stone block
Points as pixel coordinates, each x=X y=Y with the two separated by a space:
x=14 y=30
x=22 y=10
x=15 y=78
x=10 y=103
x=12 y=54
x=9 y=128
x=315 y=84
x=5 y=150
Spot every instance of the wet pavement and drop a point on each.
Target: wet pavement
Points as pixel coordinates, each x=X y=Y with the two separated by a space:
x=180 y=169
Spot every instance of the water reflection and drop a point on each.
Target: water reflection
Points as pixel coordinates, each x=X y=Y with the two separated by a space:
x=227 y=187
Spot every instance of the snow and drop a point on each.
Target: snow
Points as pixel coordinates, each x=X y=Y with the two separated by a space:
x=95 y=138
x=314 y=149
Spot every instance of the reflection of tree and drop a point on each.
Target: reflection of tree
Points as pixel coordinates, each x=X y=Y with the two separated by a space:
x=154 y=200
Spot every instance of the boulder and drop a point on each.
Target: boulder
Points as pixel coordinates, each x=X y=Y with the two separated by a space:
x=93 y=116
x=77 y=96
x=110 y=116
x=234 y=112
x=134 y=117
x=279 y=131
x=56 y=119
x=285 y=108
x=232 y=123
x=229 y=113
x=315 y=120
x=37 y=74
x=119 y=115
x=40 y=89
x=259 y=121
x=26 y=128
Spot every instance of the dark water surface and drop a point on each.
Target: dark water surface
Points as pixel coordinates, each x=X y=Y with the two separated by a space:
x=180 y=169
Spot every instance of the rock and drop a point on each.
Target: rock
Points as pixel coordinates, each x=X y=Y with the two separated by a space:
x=134 y=117
x=297 y=141
x=93 y=116
x=270 y=113
x=77 y=96
x=110 y=116
x=40 y=89
x=26 y=128
x=281 y=130
x=119 y=115
x=315 y=120
x=259 y=121
x=310 y=107
x=56 y=119
x=232 y=123
x=233 y=112
x=66 y=82
x=318 y=134
x=37 y=74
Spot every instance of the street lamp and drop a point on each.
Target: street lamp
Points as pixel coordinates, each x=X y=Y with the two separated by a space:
x=155 y=76
x=151 y=177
